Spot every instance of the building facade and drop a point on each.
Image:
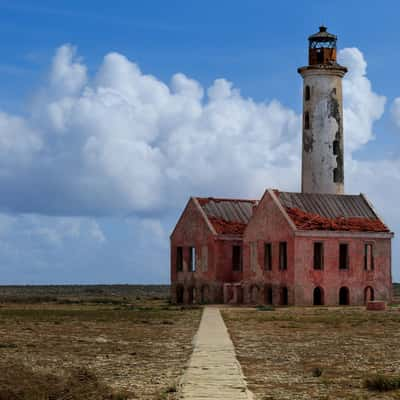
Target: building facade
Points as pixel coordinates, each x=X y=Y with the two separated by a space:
x=317 y=247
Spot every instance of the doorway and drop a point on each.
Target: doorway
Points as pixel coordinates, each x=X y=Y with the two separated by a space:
x=344 y=298
x=318 y=299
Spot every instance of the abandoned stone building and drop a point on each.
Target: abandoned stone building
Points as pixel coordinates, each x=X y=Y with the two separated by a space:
x=317 y=247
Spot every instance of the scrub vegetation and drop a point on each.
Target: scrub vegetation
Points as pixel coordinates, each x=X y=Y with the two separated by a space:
x=318 y=352
x=93 y=342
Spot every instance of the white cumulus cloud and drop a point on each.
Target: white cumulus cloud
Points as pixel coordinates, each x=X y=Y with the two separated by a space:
x=362 y=106
x=396 y=111
x=122 y=142
x=126 y=142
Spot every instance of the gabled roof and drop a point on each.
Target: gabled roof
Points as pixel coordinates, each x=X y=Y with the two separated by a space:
x=227 y=216
x=335 y=212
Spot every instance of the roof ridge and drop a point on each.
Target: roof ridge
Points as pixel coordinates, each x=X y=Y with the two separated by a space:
x=226 y=199
x=322 y=194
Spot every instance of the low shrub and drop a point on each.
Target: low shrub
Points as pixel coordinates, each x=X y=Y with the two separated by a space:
x=265 y=308
x=21 y=382
x=382 y=383
x=316 y=372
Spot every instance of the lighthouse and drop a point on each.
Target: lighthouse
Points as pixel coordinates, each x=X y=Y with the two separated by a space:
x=322 y=145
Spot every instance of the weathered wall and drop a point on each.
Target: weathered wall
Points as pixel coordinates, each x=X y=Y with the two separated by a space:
x=192 y=231
x=322 y=150
x=213 y=259
x=331 y=278
x=224 y=262
x=267 y=225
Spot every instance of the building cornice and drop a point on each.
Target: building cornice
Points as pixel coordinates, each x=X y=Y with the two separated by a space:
x=228 y=237
x=345 y=234
x=322 y=70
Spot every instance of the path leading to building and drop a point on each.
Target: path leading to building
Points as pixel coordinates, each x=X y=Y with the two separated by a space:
x=214 y=372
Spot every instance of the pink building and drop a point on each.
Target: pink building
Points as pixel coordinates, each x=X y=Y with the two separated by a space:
x=317 y=247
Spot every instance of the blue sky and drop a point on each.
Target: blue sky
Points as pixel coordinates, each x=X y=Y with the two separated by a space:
x=98 y=159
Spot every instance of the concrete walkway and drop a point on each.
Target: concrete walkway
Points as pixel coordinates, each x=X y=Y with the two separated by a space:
x=213 y=372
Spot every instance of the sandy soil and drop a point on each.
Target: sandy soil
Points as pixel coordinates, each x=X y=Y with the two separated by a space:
x=140 y=348
x=315 y=353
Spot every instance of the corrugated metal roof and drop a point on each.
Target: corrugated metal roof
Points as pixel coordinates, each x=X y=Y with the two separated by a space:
x=230 y=210
x=329 y=205
x=227 y=215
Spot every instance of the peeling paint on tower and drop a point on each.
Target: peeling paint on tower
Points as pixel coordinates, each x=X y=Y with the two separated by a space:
x=322 y=167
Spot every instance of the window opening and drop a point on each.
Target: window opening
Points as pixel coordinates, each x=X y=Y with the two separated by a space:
x=318 y=297
x=268 y=295
x=268 y=256
x=179 y=259
x=336 y=177
x=369 y=294
x=336 y=147
x=343 y=256
x=344 y=296
x=318 y=255
x=284 y=296
x=236 y=258
x=192 y=259
x=282 y=255
x=308 y=93
x=368 y=257
x=306 y=120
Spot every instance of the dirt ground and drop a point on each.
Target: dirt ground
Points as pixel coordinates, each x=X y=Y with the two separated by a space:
x=315 y=353
x=104 y=348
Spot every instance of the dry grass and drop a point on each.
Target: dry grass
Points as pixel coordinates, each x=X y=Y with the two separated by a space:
x=21 y=382
x=396 y=293
x=131 y=349
x=316 y=353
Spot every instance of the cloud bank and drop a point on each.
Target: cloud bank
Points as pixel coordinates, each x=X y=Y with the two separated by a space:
x=123 y=143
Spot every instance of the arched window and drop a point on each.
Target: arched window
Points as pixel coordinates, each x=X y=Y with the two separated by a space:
x=254 y=294
x=205 y=294
x=306 y=120
x=307 y=93
x=318 y=296
x=284 y=296
x=344 y=296
x=268 y=295
x=369 y=294
x=192 y=295
x=239 y=294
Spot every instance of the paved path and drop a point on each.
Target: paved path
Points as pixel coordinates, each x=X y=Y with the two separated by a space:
x=213 y=372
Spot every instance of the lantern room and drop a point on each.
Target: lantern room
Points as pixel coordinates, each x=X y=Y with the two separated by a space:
x=322 y=48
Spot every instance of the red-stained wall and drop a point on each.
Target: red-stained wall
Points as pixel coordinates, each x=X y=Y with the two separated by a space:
x=331 y=278
x=207 y=281
x=268 y=225
x=224 y=250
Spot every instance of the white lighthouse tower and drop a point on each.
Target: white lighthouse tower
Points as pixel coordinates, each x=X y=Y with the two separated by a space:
x=322 y=150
